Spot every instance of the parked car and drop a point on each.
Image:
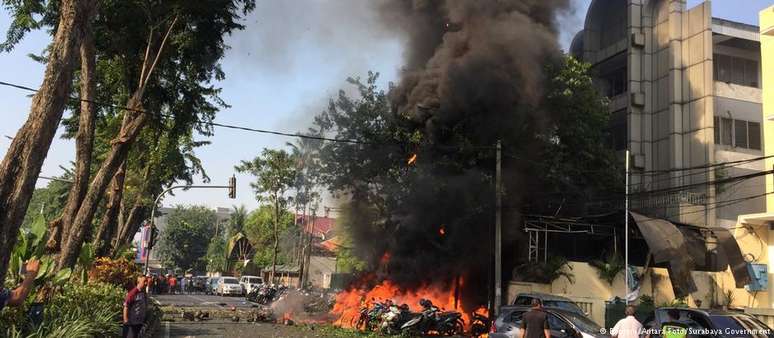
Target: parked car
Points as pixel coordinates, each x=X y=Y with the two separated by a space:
x=228 y=286
x=706 y=323
x=549 y=301
x=248 y=282
x=563 y=324
x=199 y=283
x=211 y=285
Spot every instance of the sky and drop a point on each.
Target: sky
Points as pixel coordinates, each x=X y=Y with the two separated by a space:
x=281 y=71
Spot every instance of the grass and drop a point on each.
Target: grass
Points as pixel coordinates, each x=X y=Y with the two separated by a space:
x=330 y=331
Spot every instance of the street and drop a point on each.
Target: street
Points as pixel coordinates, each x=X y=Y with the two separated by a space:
x=220 y=323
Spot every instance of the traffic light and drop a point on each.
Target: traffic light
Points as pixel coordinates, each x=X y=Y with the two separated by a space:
x=232 y=187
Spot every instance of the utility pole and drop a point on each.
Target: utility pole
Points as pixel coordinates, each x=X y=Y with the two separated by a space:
x=498 y=275
x=626 y=231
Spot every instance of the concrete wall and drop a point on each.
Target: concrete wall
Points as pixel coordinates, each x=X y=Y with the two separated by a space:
x=591 y=293
x=321 y=269
x=767 y=81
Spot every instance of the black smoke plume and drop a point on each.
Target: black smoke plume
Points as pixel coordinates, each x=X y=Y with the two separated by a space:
x=474 y=74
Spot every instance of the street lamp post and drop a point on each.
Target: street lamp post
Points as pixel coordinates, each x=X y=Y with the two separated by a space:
x=232 y=194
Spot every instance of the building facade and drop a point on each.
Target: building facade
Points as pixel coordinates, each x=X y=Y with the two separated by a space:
x=685 y=95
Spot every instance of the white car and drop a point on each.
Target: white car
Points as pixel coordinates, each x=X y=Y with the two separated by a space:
x=249 y=282
x=228 y=286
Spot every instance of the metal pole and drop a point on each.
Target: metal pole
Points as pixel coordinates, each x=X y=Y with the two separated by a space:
x=498 y=275
x=156 y=202
x=626 y=231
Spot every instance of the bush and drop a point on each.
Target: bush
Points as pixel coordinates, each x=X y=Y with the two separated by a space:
x=121 y=272
x=92 y=310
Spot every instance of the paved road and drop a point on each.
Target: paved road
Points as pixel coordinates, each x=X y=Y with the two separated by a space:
x=201 y=300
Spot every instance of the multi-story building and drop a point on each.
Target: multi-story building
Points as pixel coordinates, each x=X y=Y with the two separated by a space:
x=685 y=95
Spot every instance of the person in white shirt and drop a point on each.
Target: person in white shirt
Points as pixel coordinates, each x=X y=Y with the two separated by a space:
x=627 y=327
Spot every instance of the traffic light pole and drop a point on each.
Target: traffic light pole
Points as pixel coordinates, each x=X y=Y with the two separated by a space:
x=232 y=194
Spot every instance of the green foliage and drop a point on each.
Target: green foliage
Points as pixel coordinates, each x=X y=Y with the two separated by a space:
x=216 y=255
x=121 y=272
x=609 y=268
x=236 y=221
x=259 y=229
x=185 y=239
x=546 y=272
x=31 y=244
x=48 y=201
x=274 y=171
x=91 y=310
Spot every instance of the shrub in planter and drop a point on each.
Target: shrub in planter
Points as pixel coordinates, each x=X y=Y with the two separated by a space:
x=121 y=272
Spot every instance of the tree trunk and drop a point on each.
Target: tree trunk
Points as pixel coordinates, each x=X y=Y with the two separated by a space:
x=276 y=240
x=84 y=143
x=71 y=244
x=110 y=218
x=23 y=160
x=134 y=120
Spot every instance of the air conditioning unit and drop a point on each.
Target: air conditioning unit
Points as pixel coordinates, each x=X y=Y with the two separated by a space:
x=759 y=275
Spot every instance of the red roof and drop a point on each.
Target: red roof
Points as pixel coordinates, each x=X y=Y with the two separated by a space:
x=320 y=226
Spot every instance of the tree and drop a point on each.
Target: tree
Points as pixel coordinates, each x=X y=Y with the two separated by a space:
x=184 y=241
x=217 y=260
x=275 y=173
x=236 y=222
x=24 y=158
x=259 y=229
x=181 y=91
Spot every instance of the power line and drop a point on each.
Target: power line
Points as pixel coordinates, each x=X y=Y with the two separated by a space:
x=212 y=123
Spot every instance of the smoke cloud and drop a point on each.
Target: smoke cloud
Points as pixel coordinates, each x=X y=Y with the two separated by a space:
x=472 y=68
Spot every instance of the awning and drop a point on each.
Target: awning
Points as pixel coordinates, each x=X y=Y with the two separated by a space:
x=683 y=248
x=668 y=245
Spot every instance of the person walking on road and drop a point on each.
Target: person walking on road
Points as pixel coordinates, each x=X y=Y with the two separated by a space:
x=534 y=324
x=628 y=327
x=17 y=296
x=135 y=307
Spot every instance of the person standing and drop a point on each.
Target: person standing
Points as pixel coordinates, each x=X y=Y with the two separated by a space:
x=534 y=324
x=17 y=296
x=135 y=307
x=183 y=284
x=172 y=284
x=628 y=327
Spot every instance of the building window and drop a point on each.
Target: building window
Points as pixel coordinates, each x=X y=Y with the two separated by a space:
x=754 y=132
x=726 y=131
x=736 y=70
x=737 y=133
x=740 y=134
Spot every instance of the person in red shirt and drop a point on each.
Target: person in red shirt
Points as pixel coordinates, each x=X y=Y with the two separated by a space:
x=135 y=307
x=172 y=284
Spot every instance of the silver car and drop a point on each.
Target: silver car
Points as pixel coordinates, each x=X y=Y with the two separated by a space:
x=229 y=286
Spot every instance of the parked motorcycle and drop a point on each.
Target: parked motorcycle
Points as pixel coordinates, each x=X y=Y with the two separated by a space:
x=431 y=319
x=479 y=325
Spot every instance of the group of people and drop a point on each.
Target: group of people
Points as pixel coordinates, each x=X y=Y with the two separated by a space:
x=170 y=283
x=534 y=324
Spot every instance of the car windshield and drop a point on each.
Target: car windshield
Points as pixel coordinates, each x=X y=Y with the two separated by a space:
x=254 y=280
x=584 y=324
x=230 y=281
x=564 y=305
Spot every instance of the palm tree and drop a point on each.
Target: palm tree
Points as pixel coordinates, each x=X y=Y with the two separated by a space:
x=237 y=219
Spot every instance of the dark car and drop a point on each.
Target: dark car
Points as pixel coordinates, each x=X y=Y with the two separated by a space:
x=703 y=323
x=563 y=324
x=550 y=301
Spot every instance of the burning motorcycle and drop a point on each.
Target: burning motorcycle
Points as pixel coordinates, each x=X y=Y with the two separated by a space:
x=431 y=319
x=479 y=325
x=394 y=318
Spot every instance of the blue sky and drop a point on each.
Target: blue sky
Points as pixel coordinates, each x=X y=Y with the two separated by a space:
x=281 y=71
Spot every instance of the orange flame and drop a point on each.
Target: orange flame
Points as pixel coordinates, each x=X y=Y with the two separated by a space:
x=442 y=230
x=412 y=159
x=348 y=303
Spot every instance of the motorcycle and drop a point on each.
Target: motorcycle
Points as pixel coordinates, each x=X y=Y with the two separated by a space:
x=431 y=319
x=394 y=318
